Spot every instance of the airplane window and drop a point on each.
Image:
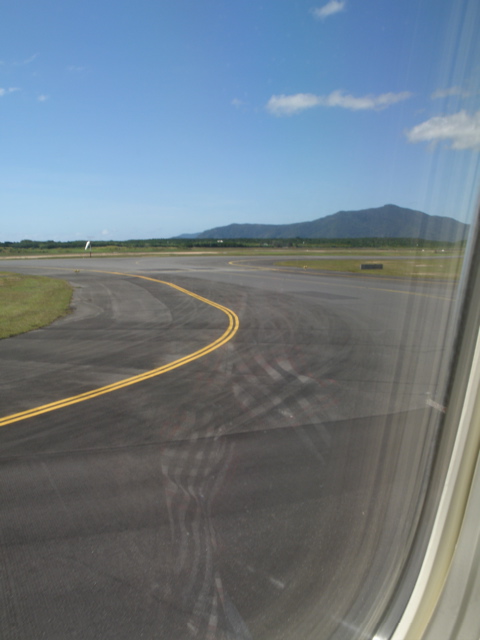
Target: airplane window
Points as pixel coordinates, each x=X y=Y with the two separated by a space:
x=253 y=415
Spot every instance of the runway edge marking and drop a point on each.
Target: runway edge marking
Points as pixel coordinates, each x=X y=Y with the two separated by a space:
x=233 y=325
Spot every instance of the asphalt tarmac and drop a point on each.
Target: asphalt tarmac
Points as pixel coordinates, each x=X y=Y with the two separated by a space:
x=264 y=485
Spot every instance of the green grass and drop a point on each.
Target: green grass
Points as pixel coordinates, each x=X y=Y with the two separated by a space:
x=420 y=267
x=31 y=302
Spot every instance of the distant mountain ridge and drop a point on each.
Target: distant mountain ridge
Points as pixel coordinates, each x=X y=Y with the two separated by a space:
x=389 y=221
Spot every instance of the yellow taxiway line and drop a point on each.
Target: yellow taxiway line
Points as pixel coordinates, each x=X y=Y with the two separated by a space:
x=233 y=325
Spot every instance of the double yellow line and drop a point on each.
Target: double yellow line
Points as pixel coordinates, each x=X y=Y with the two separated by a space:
x=233 y=324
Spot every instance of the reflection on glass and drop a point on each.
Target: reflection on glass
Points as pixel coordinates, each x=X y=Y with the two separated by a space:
x=281 y=486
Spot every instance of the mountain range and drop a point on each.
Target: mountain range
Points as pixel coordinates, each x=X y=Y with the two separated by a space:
x=389 y=221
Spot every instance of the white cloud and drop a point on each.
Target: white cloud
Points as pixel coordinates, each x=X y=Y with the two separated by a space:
x=42 y=98
x=461 y=129
x=287 y=105
x=236 y=102
x=452 y=91
x=4 y=92
x=29 y=60
x=334 y=6
x=283 y=105
x=339 y=99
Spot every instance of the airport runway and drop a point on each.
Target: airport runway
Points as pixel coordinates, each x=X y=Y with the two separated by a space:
x=268 y=488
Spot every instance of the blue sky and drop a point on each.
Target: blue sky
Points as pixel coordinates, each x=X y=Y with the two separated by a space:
x=152 y=118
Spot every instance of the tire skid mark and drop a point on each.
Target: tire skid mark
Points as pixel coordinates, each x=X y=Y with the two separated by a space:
x=259 y=397
x=194 y=471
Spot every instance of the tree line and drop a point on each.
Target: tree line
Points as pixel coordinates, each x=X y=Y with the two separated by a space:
x=237 y=243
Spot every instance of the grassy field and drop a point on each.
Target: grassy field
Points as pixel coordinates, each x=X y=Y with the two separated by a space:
x=421 y=267
x=30 y=302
